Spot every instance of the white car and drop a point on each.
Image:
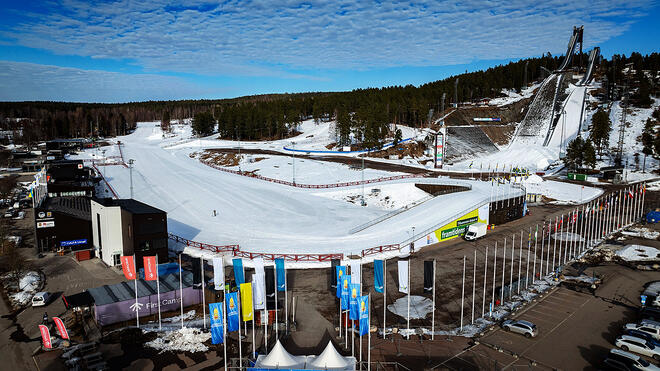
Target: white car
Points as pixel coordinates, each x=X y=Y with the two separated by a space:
x=638 y=345
x=620 y=360
x=521 y=327
x=650 y=327
x=41 y=299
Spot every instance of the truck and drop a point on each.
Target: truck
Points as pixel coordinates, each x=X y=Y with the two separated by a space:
x=476 y=230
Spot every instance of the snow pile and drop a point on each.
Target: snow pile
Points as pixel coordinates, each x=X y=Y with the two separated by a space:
x=567 y=236
x=641 y=232
x=655 y=186
x=183 y=340
x=385 y=196
x=638 y=253
x=420 y=307
x=512 y=96
x=560 y=191
x=186 y=316
x=585 y=279
x=28 y=285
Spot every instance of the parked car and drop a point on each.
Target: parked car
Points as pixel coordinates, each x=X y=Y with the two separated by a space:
x=650 y=313
x=41 y=299
x=9 y=213
x=618 y=359
x=521 y=327
x=643 y=335
x=638 y=345
x=648 y=326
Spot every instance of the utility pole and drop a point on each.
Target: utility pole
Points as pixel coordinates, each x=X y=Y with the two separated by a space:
x=622 y=127
x=456 y=92
x=293 y=155
x=130 y=168
x=364 y=203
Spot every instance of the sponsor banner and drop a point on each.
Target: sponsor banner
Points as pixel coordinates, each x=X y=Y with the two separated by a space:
x=246 y=301
x=61 y=328
x=345 y=291
x=340 y=272
x=218 y=273
x=233 y=320
x=238 y=271
x=259 y=291
x=48 y=224
x=150 y=268
x=455 y=228
x=73 y=242
x=378 y=276
x=353 y=301
x=279 y=274
x=356 y=272
x=128 y=266
x=45 y=337
x=487 y=119
x=364 y=314
x=403 y=276
x=215 y=310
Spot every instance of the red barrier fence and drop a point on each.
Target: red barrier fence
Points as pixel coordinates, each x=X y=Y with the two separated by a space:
x=105 y=180
x=235 y=250
x=313 y=186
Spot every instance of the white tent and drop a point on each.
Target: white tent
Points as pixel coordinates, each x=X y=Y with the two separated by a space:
x=280 y=358
x=330 y=359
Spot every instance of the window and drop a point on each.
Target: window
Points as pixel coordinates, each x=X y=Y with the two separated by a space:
x=98 y=228
x=116 y=259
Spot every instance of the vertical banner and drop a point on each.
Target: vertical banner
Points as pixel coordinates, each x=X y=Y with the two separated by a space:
x=334 y=263
x=259 y=291
x=439 y=147
x=128 y=267
x=218 y=274
x=258 y=265
x=270 y=287
x=150 y=268
x=61 y=328
x=378 y=275
x=238 y=271
x=403 y=276
x=353 y=301
x=233 y=320
x=356 y=271
x=340 y=273
x=45 y=337
x=364 y=314
x=279 y=274
x=246 y=302
x=345 y=291
x=216 y=323
x=428 y=275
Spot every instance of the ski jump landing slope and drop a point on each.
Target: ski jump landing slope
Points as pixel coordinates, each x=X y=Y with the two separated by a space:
x=261 y=216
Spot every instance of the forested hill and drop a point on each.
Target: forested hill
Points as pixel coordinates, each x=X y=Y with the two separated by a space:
x=364 y=113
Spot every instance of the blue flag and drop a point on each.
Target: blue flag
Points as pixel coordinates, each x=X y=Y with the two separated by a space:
x=345 y=291
x=364 y=314
x=281 y=280
x=340 y=272
x=215 y=310
x=378 y=275
x=353 y=302
x=233 y=319
x=238 y=272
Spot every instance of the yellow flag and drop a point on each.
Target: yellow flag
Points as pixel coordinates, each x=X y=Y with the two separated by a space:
x=246 y=301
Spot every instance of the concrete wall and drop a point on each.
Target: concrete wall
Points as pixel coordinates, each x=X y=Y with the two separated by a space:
x=110 y=240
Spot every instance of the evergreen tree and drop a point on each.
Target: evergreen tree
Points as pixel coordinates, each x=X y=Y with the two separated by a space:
x=647 y=140
x=589 y=154
x=574 y=154
x=203 y=124
x=600 y=130
x=165 y=122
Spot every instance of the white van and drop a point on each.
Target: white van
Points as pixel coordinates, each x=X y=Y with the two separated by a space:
x=40 y=299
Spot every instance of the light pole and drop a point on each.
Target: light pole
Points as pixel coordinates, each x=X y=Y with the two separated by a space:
x=563 y=132
x=412 y=244
x=293 y=155
x=130 y=168
x=105 y=162
x=364 y=203
x=239 y=150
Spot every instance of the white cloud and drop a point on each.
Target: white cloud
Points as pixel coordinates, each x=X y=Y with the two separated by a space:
x=27 y=81
x=266 y=38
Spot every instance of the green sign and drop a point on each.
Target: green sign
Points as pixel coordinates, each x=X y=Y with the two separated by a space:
x=451 y=232
x=471 y=220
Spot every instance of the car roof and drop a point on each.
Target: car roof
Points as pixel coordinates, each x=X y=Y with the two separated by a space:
x=633 y=338
x=648 y=322
x=526 y=323
x=41 y=293
x=624 y=353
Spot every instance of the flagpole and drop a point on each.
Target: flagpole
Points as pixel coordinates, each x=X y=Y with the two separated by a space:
x=483 y=297
x=286 y=301
x=492 y=301
x=224 y=324
x=137 y=305
x=254 y=342
x=369 y=331
x=277 y=336
x=384 y=297
x=408 y=319
x=463 y=293
x=157 y=292
x=201 y=259
x=503 y=271
x=520 y=259
x=513 y=254
x=181 y=288
x=474 y=283
x=432 y=313
x=529 y=248
x=643 y=198
x=240 y=315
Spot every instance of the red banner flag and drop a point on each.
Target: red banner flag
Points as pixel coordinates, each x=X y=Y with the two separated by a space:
x=150 y=268
x=128 y=266
x=60 y=327
x=45 y=336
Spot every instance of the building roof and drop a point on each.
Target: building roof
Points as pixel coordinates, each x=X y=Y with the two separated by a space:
x=79 y=207
x=123 y=291
x=130 y=205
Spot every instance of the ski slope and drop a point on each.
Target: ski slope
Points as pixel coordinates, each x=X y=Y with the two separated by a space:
x=260 y=216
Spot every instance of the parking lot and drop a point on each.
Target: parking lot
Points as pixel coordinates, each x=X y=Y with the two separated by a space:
x=576 y=330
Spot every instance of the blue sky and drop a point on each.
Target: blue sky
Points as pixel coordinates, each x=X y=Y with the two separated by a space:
x=118 y=51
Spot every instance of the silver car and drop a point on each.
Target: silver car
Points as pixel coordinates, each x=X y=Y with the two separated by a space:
x=521 y=327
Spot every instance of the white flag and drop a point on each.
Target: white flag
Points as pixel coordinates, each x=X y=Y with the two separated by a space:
x=259 y=266
x=259 y=291
x=403 y=276
x=356 y=272
x=219 y=273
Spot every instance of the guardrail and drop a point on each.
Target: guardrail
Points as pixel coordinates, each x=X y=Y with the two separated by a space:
x=312 y=186
x=346 y=152
x=105 y=180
